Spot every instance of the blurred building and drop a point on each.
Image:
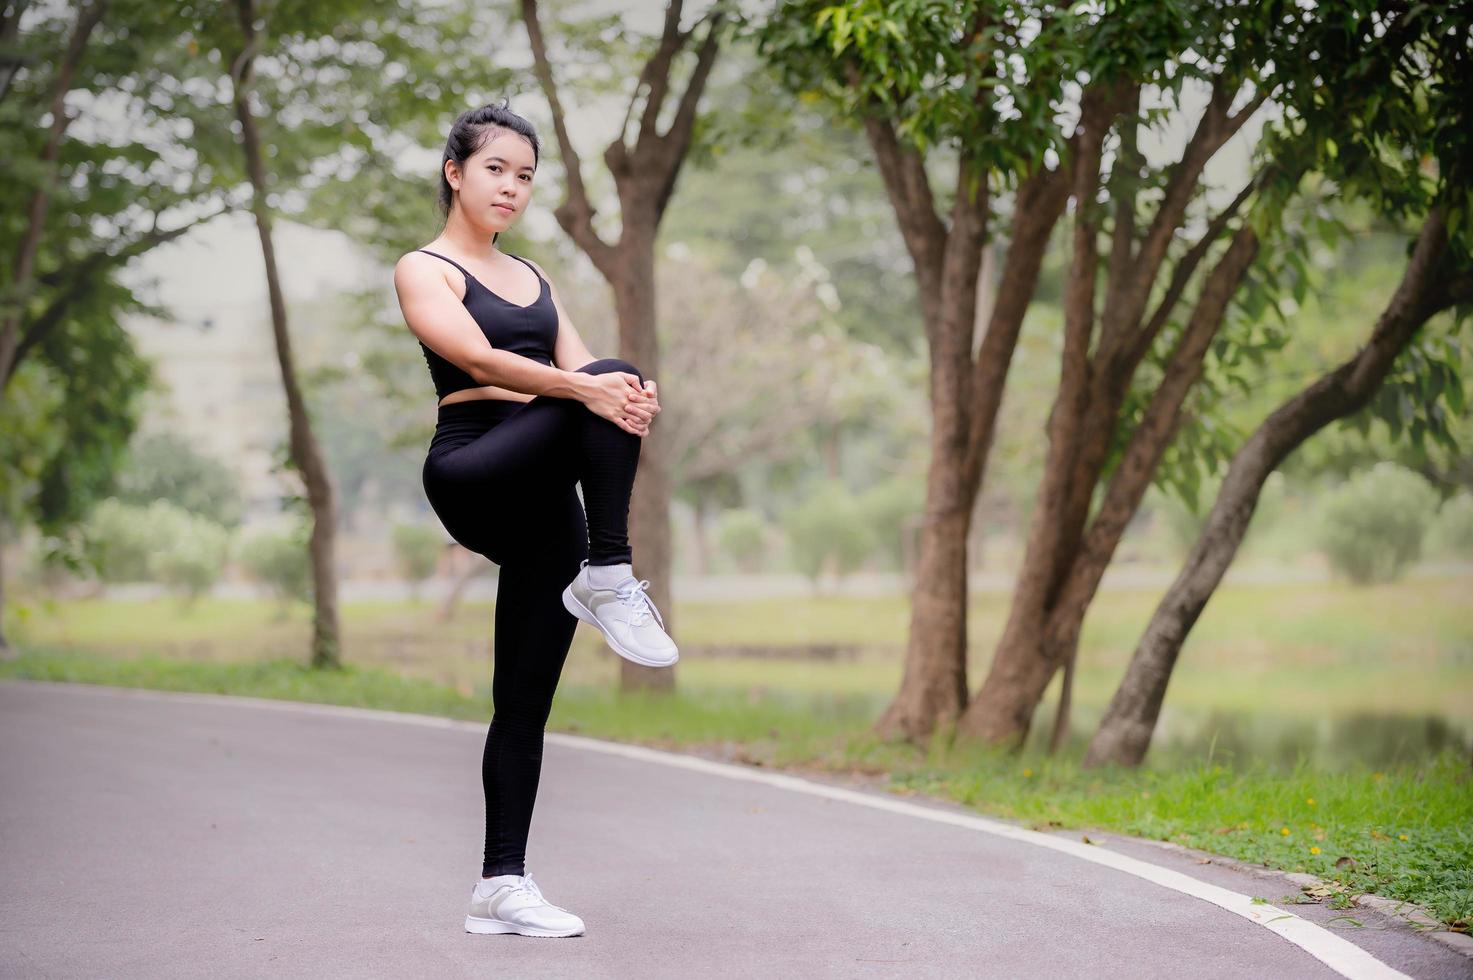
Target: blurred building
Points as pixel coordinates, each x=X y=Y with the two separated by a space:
x=215 y=357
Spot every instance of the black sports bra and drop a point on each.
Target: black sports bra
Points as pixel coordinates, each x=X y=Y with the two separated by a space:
x=530 y=331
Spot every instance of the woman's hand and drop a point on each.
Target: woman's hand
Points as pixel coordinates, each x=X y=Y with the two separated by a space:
x=616 y=396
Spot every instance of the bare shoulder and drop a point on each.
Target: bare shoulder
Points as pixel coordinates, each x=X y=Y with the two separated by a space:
x=415 y=269
x=540 y=271
x=409 y=262
x=415 y=259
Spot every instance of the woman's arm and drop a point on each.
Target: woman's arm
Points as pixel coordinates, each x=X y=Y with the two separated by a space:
x=438 y=317
x=569 y=352
x=441 y=322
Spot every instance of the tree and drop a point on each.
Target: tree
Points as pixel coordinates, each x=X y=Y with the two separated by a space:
x=303 y=79
x=76 y=210
x=1392 y=130
x=417 y=549
x=973 y=86
x=644 y=174
x=163 y=466
x=1099 y=442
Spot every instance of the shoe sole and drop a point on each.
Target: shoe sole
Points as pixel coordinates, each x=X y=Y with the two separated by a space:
x=495 y=927
x=571 y=603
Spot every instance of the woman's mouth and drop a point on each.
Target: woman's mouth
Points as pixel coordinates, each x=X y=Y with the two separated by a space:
x=505 y=207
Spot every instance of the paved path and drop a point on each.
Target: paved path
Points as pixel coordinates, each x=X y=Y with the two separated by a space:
x=157 y=835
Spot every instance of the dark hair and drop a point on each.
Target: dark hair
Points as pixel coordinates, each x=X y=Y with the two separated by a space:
x=470 y=132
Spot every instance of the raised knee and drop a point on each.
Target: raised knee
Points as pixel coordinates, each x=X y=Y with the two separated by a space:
x=608 y=365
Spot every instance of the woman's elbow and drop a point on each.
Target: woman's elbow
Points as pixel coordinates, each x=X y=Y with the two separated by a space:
x=481 y=371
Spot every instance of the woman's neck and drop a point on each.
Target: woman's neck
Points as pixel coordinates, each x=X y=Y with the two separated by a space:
x=466 y=239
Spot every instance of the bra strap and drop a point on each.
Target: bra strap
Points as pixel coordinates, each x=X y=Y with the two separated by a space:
x=527 y=264
x=451 y=261
x=468 y=275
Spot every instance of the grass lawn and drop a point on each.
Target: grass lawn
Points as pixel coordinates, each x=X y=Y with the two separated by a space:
x=1310 y=651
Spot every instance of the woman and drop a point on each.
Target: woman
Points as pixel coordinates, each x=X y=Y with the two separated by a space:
x=525 y=413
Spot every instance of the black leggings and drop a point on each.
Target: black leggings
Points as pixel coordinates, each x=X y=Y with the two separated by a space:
x=500 y=476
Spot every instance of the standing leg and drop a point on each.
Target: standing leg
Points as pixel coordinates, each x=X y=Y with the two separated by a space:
x=533 y=633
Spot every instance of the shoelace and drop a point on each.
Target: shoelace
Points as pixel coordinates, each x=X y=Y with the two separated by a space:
x=633 y=595
x=527 y=884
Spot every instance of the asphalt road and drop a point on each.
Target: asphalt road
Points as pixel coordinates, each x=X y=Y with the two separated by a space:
x=156 y=835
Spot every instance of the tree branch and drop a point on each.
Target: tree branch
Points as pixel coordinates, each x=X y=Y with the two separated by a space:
x=677 y=139
x=81 y=279
x=1181 y=275
x=1124 y=304
x=576 y=213
x=657 y=73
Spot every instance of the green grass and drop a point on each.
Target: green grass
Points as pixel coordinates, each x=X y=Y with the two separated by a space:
x=1312 y=650
x=1407 y=830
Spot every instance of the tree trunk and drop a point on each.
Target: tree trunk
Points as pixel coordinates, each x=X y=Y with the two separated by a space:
x=965 y=396
x=933 y=687
x=1125 y=731
x=649 y=508
x=1066 y=555
x=1003 y=707
x=644 y=176
x=305 y=452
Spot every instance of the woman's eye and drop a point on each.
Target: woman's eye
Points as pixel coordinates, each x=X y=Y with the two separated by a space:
x=494 y=167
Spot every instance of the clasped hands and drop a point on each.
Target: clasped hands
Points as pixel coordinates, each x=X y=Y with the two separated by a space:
x=618 y=397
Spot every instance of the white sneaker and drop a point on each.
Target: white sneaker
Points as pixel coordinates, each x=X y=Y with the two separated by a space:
x=514 y=904
x=622 y=615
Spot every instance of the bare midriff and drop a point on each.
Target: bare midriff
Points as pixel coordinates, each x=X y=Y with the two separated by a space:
x=486 y=393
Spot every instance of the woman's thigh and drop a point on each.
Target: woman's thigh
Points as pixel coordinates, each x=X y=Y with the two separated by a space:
x=484 y=491
x=530 y=458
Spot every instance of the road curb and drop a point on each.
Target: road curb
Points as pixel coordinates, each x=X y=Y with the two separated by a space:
x=1411 y=914
x=1414 y=916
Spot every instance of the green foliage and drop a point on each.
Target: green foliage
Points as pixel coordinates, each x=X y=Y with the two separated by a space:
x=1372 y=527
x=192 y=561
x=828 y=528
x=156 y=542
x=1391 y=134
x=1452 y=531
x=282 y=562
x=165 y=467
x=417 y=550
x=892 y=509
x=743 y=534
x=118 y=539
x=995 y=96
x=1423 y=396
x=72 y=404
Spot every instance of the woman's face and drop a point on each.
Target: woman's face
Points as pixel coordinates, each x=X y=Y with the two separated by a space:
x=495 y=185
